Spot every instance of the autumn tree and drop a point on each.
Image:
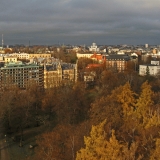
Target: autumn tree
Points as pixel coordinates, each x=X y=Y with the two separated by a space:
x=120 y=103
x=60 y=143
x=107 y=107
x=107 y=82
x=127 y=99
x=72 y=103
x=98 y=147
x=144 y=103
x=7 y=107
x=50 y=146
x=35 y=97
x=49 y=102
x=131 y=66
x=155 y=154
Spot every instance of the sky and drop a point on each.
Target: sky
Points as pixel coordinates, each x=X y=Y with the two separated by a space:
x=78 y=22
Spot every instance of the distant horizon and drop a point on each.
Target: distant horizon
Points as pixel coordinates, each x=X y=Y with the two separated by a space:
x=32 y=42
x=82 y=44
x=80 y=22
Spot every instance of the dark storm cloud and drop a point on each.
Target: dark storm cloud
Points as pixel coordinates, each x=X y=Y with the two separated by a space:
x=80 y=21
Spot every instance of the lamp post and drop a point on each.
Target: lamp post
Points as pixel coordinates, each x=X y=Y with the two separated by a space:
x=5 y=138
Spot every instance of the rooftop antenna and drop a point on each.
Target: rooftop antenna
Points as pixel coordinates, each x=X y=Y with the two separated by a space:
x=2 y=41
x=29 y=46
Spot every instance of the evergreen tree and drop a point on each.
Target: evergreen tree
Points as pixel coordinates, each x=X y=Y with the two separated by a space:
x=127 y=99
x=97 y=147
x=147 y=71
x=144 y=103
x=156 y=152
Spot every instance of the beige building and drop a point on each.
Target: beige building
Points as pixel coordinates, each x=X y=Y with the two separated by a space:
x=154 y=51
x=52 y=76
x=85 y=55
x=29 y=56
x=2 y=50
x=43 y=55
x=57 y=72
x=10 y=59
x=20 y=55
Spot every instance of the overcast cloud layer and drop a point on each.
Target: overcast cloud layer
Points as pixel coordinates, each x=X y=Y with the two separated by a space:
x=80 y=21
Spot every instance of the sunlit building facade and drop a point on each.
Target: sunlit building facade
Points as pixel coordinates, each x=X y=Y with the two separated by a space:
x=17 y=74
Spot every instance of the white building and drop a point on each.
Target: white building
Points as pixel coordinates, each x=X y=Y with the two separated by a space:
x=156 y=62
x=120 y=52
x=146 y=45
x=115 y=49
x=94 y=48
x=153 y=70
x=20 y=55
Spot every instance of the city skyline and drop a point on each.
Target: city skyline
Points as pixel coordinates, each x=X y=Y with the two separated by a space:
x=80 y=22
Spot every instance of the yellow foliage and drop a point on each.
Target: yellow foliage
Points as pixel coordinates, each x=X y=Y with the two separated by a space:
x=97 y=147
x=155 y=155
x=145 y=100
x=127 y=99
x=152 y=120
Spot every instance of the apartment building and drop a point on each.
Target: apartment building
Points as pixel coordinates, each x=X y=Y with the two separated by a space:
x=28 y=56
x=17 y=74
x=20 y=55
x=52 y=75
x=47 y=74
x=116 y=62
x=57 y=72
x=153 y=70
x=42 y=55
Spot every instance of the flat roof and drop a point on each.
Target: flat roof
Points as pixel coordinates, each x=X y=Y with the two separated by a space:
x=19 y=65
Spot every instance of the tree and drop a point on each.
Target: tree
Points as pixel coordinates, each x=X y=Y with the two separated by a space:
x=50 y=146
x=69 y=102
x=98 y=147
x=131 y=66
x=147 y=71
x=49 y=102
x=94 y=144
x=144 y=103
x=107 y=106
x=60 y=143
x=120 y=103
x=107 y=82
x=7 y=101
x=155 y=154
x=35 y=94
x=127 y=99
